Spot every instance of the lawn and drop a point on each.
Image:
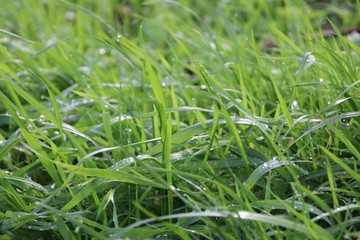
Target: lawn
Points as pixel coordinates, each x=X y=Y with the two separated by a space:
x=179 y=119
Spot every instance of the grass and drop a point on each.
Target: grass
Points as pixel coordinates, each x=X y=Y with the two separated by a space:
x=170 y=119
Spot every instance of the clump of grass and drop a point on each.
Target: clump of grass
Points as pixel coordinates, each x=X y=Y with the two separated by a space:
x=165 y=119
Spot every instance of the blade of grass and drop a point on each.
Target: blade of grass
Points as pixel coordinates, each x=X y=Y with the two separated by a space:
x=325 y=123
x=344 y=139
x=355 y=175
x=216 y=89
x=166 y=124
x=235 y=134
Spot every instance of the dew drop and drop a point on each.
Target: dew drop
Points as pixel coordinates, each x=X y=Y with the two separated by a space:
x=310 y=58
x=228 y=64
x=70 y=15
x=118 y=37
x=102 y=51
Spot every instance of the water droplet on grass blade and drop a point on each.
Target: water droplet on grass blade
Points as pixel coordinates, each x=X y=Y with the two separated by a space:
x=228 y=64
x=85 y=69
x=310 y=58
x=102 y=51
x=275 y=71
x=118 y=37
x=294 y=105
x=70 y=15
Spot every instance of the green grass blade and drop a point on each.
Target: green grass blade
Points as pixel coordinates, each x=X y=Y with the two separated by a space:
x=354 y=174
